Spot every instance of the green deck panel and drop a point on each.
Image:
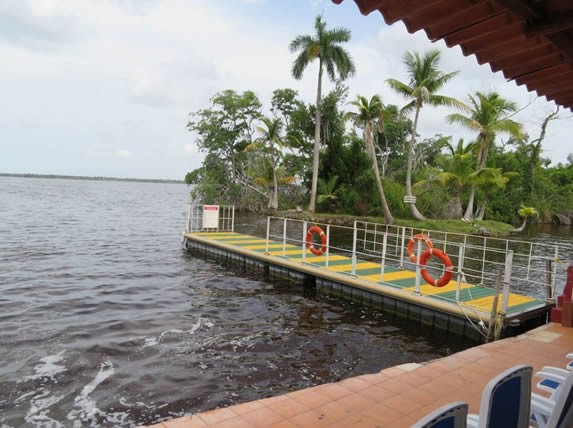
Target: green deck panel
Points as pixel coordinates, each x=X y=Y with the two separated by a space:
x=402 y=283
x=466 y=294
x=516 y=309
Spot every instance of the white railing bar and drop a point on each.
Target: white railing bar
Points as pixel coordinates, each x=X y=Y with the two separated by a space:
x=506 y=281
x=418 y=266
x=327 y=244
x=383 y=260
x=354 y=250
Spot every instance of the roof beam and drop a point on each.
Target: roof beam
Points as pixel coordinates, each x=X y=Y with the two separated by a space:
x=551 y=25
x=520 y=9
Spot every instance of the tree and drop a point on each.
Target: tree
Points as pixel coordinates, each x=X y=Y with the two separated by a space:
x=489 y=116
x=456 y=172
x=369 y=118
x=525 y=213
x=325 y=47
x=326 y=192
x=488 y=179
x=425 y=80
x=269 y=144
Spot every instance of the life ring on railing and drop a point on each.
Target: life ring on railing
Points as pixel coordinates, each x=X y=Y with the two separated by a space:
x=446 y=277
x=413 y=241
x=316 y=251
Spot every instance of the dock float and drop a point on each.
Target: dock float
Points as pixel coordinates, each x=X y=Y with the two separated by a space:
x=457 y=307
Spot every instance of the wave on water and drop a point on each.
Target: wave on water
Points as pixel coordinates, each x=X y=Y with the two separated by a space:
x=154 y=340
x=87 y=413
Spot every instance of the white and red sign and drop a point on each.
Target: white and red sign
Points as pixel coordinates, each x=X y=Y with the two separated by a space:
x=210 y=216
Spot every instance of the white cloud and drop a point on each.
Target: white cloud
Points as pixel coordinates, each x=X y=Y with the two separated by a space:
x=106 y=76
x=124 y=153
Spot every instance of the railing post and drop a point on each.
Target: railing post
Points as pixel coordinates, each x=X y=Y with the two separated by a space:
x=555 y=263
x=327 y=244
x=233 y=219
x=548 y=281
x=418 y=267
x=284 y=236
x=354 y=249
x=268 y=235
x=402 y=247
x=304 y=226
x=459 y=274
x=383 y=260
x=189 y=230
x=365 y=236
x=506 y=281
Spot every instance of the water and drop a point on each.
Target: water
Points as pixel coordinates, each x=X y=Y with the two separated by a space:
x=106 y=321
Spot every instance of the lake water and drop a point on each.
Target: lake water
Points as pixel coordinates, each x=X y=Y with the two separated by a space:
x=106 y=321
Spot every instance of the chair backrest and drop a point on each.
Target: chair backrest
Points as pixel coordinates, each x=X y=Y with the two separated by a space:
x=562 y=413
x=452 y=415
x=506 y=399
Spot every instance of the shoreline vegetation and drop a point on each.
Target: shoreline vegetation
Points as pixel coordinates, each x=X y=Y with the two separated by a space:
x=362 y=157
x=82 y=177
x=490 y=227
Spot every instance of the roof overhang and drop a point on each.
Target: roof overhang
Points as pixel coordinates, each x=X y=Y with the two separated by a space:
x=529 y=41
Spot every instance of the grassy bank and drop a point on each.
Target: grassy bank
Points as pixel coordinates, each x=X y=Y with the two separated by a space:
x=455 y=226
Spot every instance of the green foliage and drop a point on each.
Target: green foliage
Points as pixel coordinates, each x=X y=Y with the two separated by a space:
x=253 y=161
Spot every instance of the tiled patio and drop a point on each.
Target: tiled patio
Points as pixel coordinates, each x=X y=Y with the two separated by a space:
x=398 y=396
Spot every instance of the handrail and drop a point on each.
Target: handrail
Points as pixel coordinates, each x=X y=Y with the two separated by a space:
x=475 y=258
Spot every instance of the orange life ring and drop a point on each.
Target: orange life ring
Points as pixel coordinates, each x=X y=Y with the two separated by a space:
x=413 y=241
x=316 y=251
x=446 y=277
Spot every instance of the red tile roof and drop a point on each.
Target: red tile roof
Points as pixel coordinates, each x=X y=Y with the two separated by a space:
x=529 y=41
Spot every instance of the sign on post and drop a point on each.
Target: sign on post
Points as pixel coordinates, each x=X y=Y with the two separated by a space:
x=210 y=216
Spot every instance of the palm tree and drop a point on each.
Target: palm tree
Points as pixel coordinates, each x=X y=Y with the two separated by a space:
x=269 y=144
x=487 y=179
x=425 y=80
x=324 y=46
x=326 y=192
x=370 y=118
x=489 y=116
x=456 y=173
x=525 y=212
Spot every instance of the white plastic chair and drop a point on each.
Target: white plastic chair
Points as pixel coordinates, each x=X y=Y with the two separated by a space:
x=505 y=401
x=452 y=415
x=554 y=412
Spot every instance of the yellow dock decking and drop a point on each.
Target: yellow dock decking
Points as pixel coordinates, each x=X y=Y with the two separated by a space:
x=475 y=302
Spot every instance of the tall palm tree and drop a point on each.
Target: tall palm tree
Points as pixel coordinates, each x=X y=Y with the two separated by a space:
x=269 y=144
x=488 y=116
x=370 y=118
x=425 y=80
x=323 y=46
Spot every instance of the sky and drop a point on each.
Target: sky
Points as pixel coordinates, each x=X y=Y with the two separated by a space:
x=105 y=88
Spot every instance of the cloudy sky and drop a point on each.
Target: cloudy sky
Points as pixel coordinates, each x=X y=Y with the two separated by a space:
x=104 y=88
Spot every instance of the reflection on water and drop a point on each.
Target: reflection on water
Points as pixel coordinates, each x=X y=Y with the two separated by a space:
x=105 y=321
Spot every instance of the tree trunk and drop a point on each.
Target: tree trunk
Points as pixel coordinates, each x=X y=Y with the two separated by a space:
x=274 y=202
x=481 y=211
x=417 y=214
x=481 y=161
x=316 y=152
x=520 y=228
x=469 y=214
x=388 y=218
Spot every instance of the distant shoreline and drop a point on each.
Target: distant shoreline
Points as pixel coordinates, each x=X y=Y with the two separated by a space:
x=80 y=177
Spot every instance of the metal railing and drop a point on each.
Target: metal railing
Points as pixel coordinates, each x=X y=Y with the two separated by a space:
x=197 y=220
x=528 y=268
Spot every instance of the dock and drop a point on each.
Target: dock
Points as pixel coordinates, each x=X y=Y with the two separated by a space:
x=479 y=287
x=457 y=307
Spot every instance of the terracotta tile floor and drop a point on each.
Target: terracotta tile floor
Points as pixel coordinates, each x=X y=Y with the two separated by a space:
x=397 y=396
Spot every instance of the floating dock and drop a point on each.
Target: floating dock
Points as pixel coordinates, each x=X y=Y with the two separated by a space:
x=458 y=307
